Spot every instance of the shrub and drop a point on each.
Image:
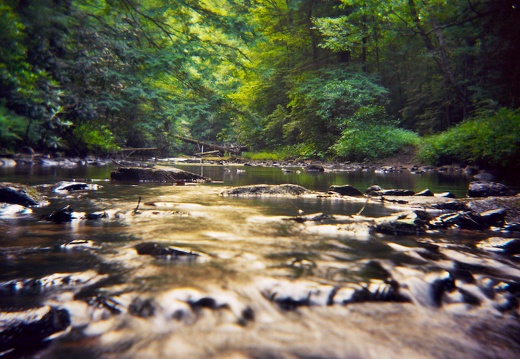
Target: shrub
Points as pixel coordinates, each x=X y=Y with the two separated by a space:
x=489 y=140
x=374 y=142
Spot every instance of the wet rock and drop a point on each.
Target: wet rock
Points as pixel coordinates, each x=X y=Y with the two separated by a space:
x=471 y=221
x=489 y=189
x=97 y=215
x=62 y=215
x=22 y=332
x=373 y=190
x=464 y=220
x=425 y=193
x=396 y=192
x=75 y=186
x=376 y=190
x=450 y=206
x=346 y=190
x=512 y=227
x=314 y=168
x=495 y=217
x=318 y=217
x=406 y=224
x=264 y=189
x=17 y=194
x=170 y=175
x=163 y=251
x=445 y=195
x=143 y=308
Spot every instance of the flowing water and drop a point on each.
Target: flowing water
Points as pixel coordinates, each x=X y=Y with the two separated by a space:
x=247 y=282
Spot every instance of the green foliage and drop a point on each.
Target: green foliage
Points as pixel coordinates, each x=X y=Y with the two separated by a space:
x=374 y=142
x=12 y=127
x=96 y=140
x=487 y=140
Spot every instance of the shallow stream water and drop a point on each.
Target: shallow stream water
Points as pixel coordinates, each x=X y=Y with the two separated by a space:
x=259 y=286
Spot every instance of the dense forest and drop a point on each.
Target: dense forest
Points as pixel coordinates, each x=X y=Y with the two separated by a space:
x=329 y=79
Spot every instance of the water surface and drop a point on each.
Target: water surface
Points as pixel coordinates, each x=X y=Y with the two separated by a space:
x=263 y=286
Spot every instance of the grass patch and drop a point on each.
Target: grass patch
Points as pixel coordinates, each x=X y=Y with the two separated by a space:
x=488 y=140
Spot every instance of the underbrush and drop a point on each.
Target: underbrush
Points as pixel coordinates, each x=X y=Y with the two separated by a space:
x=486 y=140
x=375 y=142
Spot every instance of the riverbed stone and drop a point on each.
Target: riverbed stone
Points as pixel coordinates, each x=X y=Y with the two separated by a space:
x=495 y=217
x=264 y=189
x=13 y=193
x=23 y=331
x=346 y=190
x=162 y=175
x=160 y=250
x=489 y=189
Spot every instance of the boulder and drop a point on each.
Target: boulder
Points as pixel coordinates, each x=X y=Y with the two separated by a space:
x=17 y=194
x=165 y=175
x=26 y=331
x=346 y=190
x=489 y=189
x=264 y=189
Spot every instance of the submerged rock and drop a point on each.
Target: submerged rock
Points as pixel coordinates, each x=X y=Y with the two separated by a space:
x=75 y=186
x=425 y=193
x=264 y=189
x=27 y=330
x=17 y=194
x=163 y=251
x=489 y=189
x=165 y=175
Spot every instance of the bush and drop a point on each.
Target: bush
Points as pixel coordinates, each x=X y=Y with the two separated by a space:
x=486 y=140
x=374 y=142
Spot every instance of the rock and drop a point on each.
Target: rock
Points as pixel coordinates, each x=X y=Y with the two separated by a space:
x=264 y=189
x=396 y=192
x=17 y=194
x=314 y=168
x=425 y=193
x=318 y=217
x=445 y=195
x=405 y=224
x=484 y=176
x=373 y=190
x=376 y=190
x=163 y=251
x=62 y=215
x=450 y=206
x=346 y=190
x=489 y=189
x=495 y=217
x=471 y=221
x=26 y=331
x=75 y=186
x=464 y=220
x=169 y=175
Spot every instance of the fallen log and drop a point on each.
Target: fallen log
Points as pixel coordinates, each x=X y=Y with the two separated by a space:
x=235 y=150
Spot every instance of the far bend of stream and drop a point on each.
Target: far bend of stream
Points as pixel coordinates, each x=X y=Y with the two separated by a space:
x=263 y=286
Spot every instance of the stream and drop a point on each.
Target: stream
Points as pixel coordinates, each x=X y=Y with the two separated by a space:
x=237 y=279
